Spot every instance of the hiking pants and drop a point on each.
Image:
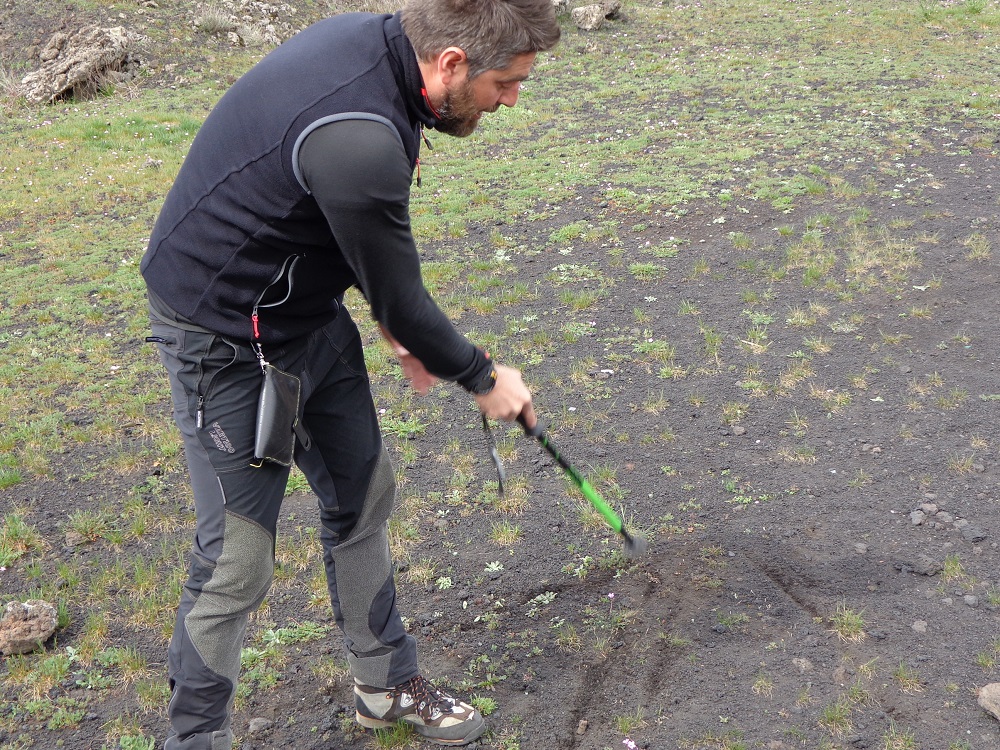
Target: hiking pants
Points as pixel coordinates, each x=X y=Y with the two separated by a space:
x=215 y=385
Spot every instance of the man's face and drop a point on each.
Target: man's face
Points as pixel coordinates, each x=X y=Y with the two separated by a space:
x=465 y=100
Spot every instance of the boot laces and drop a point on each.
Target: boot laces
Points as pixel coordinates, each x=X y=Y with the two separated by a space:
x=425 y=696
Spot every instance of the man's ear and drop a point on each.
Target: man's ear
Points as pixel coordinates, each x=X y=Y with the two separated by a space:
x=452 y=64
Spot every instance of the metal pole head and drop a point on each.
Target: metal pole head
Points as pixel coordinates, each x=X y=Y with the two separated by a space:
x=635 y=545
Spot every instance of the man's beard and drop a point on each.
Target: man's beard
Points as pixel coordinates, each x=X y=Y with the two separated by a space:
x=458 y=115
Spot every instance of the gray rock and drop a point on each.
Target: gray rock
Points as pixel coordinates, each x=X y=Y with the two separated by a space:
x=259 y=725
x=588 y=17
x=917 y=517
x=926 y=566
x=973 y=533
x=611 y=9
x=972 y=601
x=989 y=699
x=920 y=626
x=26 y=625
x=78 y=64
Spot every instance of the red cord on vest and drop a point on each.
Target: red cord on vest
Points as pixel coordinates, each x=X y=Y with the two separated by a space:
x=431 y=106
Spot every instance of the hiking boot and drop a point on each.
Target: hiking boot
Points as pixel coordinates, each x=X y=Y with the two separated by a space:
x=431 y=712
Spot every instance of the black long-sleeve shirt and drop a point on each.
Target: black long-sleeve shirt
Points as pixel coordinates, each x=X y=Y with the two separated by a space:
x=306 y=164
x=358 y=174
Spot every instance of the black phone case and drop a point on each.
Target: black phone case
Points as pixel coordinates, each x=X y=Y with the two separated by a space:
x=277 y=415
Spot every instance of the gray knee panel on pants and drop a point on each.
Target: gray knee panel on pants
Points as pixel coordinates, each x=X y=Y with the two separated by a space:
x=242 y=576
x=363 y=568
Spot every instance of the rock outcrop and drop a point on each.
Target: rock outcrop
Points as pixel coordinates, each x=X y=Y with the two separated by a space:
x=78 y=64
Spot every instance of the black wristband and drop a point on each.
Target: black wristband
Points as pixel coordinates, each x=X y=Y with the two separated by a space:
x=485 y=384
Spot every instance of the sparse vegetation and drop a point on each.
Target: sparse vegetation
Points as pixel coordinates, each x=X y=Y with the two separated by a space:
x=848 y=624
x=717 y=261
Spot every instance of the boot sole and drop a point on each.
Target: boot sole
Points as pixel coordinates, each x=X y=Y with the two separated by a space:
x=369 y=722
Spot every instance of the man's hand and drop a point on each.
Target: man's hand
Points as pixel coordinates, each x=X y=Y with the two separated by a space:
x=413 y=368
x=509 y=398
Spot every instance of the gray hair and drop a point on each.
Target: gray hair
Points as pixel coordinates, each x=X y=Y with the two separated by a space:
x=490 y=32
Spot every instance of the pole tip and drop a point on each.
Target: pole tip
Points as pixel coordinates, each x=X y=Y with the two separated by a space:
x=635 y=545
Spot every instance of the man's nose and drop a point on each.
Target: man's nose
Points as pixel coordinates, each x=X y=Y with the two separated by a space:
x=509 y=97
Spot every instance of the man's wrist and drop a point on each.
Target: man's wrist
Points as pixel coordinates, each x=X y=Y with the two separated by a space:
x=485 y=384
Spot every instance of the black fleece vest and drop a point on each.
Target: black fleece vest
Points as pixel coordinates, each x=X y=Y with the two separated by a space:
x=237 y=210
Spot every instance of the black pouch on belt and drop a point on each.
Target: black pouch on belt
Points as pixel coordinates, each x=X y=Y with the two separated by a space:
x=277 y=417
x=278 y=421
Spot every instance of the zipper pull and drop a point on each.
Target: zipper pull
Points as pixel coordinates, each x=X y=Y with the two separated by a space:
x=427 y=141
x=418 y=172
x=199 y=417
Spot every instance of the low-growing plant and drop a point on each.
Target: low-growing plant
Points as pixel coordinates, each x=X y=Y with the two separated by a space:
x=687 y=307
x=136 y=742
x=979 y=247
x=732 y=620
x=907 y=678
x=986 y=660
x=18 y=538
x=504 y=533
x=898 y=739
x=422 y=572
x=214 y=20
x=848 y=624
x=399 y=735
x=131 y=664
x=484 y=704
x=800 y=454
x=734 y=411
x=152 y=694
x=628 y=723
x=763 y=685
x=953 y=571
x=836 y=717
